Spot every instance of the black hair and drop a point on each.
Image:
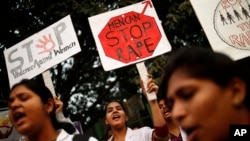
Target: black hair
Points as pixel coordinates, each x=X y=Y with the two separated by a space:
x=44 y=93
x=123 y=107
x=117 y=101
x=107 y=135
x=204 y=63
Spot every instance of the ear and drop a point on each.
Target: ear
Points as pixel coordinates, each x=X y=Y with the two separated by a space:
x=106 y=122
x=238 y=87
x=126 y=118
x=50 y=105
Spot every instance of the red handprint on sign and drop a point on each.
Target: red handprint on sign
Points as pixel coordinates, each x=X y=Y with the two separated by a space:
x=47 y=44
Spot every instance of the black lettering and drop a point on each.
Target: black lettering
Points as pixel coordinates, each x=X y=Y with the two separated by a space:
x=139 y=45
x=119 y=54
x=66 y=48
x=58 y=51
x=131 y=51
x=146 y=25
x=109 y=36
x=17 y=59
x=123 y=21
x=124 y=35
x=135 y=29
x=147 y=44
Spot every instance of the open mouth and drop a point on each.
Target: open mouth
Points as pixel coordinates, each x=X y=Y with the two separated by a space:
x=114 y=117
x=191 y=133
x=17 y=116
x=166 y=111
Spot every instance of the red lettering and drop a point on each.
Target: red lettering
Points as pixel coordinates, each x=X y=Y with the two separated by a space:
x=241 y=39
x=228 y=3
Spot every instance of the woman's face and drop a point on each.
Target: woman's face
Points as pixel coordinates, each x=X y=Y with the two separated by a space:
x=27 y=112
x=115 y=115
x=164 y=109
x=202 y=108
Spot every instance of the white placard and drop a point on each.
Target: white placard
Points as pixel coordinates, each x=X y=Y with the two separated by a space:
x=128 y=35
x=226 y=24
x=144 y=77
x=41 y=51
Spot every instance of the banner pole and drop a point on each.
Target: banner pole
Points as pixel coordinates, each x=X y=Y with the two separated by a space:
x=48 y=82
x=144 y=77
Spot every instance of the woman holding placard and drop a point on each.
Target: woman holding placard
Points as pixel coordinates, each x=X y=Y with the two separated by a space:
x=116 y=117
x=175 y=133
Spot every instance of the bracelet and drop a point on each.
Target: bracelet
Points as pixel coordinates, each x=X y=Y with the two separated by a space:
x=151 y=96
x=161 y=131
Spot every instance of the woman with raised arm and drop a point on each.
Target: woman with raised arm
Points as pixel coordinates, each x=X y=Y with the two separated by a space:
x=173 y=127
x=116 y=117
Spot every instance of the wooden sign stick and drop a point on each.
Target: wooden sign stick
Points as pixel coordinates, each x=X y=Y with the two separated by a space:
x=48 y=82
x=144 y=77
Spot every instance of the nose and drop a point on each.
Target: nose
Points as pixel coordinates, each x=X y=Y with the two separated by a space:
x=115 y=110
x=14 y=104
x=179 y=111
x=164 y=107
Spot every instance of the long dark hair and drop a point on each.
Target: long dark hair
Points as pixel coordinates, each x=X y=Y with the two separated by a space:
x=44 y=93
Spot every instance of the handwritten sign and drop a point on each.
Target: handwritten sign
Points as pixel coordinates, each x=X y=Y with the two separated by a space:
x=226 y=24
x=41 y=51
x=128 y=35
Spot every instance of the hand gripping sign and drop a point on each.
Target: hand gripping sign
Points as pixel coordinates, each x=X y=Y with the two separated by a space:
x=129 y=35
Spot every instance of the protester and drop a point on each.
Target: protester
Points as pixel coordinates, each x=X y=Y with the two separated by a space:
x=173 y=127
x=207 y=92
x=32 y=113
x=116 y=117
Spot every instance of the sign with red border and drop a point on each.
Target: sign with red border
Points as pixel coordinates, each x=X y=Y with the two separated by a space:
x=128 y=35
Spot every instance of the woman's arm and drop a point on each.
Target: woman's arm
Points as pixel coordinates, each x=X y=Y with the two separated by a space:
x=161 y=132
x=59 y=114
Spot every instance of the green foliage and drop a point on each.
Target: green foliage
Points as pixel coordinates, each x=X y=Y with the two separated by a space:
x=182 y=26
x=85 y=87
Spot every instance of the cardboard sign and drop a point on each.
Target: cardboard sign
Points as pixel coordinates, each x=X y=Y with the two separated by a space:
x=226 y=24
x=128 y=35
x=41 y=51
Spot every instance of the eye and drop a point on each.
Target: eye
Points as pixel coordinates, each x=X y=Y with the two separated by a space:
x=119 y=108
x=160 y=106
x=109 y=110
x=186 y=93
x=23 y=97
x=170 y=103
x=10 y=101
